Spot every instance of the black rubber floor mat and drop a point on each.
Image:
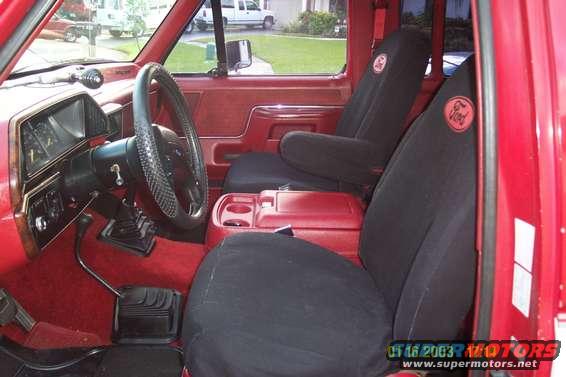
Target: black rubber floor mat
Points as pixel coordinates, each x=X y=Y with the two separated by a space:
x=141 y=361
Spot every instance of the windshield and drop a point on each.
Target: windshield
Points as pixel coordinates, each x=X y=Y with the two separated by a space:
x=84 y=31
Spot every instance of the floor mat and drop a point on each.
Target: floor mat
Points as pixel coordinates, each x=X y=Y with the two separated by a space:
x=141 y=361
x=47 y=336
x=53 y=288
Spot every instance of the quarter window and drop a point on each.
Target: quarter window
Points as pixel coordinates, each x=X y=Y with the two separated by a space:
x=458 y=35
x=458 y=32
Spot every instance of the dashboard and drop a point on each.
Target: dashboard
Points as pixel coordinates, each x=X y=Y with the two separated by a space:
x=48 y=138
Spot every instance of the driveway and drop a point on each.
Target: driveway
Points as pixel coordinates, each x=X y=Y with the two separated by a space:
x=53 y=50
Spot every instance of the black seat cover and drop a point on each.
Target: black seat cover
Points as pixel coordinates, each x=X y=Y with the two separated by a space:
x=256 y=171
x=271 y=305
x=376 y=112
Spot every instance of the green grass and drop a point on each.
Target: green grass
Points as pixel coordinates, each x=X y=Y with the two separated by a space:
x=183 y=58
x=188 y=59
x=289 y=55
x=131 y=49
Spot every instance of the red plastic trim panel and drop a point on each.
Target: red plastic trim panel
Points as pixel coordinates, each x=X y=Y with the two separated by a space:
x=331 y=220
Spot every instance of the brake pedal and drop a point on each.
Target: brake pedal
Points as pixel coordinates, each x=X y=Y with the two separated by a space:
x=12 y=311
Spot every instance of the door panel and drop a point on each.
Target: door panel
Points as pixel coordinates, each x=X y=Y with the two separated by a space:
x=235 y=115
x=265 y=128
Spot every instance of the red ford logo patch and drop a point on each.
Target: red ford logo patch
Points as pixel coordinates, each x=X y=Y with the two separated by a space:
x=459 y=113
x=379 y=63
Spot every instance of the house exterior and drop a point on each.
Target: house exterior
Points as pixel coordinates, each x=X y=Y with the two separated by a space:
x=287 y=11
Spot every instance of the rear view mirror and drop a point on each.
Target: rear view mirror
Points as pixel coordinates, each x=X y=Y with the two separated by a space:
x=238 y=54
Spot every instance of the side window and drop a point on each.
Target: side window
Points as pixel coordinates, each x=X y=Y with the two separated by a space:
x=458 y=35
x=251 y=5
x=458 y=32
x=227 y=3
x=286 y=37
x=417 y=15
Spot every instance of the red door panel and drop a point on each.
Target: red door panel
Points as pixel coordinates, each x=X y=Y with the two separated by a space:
x=263 y=132
x=236 y=115
x=222 y=106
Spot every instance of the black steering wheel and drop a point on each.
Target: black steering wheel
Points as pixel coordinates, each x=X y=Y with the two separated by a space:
x=174 y=169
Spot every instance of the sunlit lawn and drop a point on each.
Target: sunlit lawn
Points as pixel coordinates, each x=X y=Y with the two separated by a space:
x=287 y=55
x=183 y=58
x=295 y=54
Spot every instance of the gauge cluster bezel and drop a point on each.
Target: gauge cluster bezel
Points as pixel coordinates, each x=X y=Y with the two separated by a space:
x=24 y=188
x=90 y=123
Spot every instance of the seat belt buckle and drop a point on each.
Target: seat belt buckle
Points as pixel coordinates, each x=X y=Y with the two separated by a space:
x=286 y=230
x=285 y=187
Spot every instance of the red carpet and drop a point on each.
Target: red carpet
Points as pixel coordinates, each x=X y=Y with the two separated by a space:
x=54 y=289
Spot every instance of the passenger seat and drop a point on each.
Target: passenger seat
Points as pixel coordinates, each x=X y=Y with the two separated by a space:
x=366 y=135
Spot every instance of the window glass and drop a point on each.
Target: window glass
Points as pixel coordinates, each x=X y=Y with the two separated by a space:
x=227 y=4
x=250 y=5
x=417 y=15
x=84 y=31
x=458 y=35
x=286 y=36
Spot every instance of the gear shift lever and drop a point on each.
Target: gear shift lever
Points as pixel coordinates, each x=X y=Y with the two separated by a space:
x=84 y=221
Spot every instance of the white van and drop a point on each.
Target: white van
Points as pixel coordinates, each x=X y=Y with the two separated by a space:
x=237 y=13
x=114 y=16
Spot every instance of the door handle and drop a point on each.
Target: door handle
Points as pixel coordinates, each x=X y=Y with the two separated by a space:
x=231 y=156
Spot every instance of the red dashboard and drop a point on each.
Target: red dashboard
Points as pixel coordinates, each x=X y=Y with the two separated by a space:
x=21 y=103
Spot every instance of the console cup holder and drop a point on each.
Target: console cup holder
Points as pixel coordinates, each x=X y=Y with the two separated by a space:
x=238 y=208
x=237 y=223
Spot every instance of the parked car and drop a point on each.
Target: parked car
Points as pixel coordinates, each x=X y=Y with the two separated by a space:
x=61 y=28
x=78 y=10
x=118 y=19
x=235 y=13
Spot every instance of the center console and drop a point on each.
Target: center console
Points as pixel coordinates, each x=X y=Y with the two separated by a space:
x=329 y=219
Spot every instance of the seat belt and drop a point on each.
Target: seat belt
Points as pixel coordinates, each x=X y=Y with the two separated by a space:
x=222 y=66
x=379 y=13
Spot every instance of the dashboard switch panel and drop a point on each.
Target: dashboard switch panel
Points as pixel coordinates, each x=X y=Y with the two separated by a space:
x=49 y=213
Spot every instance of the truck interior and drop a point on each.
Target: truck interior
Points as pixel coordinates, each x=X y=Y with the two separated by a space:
x=219 y=224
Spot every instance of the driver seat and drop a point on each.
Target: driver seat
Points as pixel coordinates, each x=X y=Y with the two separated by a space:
x=272 y=305
x=375 y=114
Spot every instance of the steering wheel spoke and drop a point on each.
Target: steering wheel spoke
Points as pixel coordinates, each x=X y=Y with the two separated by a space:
x=163 y=153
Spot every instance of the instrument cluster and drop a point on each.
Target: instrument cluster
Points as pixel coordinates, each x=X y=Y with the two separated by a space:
x=47 y=136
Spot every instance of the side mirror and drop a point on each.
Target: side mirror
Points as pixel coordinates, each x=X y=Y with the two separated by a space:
x=238 y=54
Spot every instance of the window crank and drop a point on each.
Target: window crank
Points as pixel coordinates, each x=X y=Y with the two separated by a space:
x=116 y=169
